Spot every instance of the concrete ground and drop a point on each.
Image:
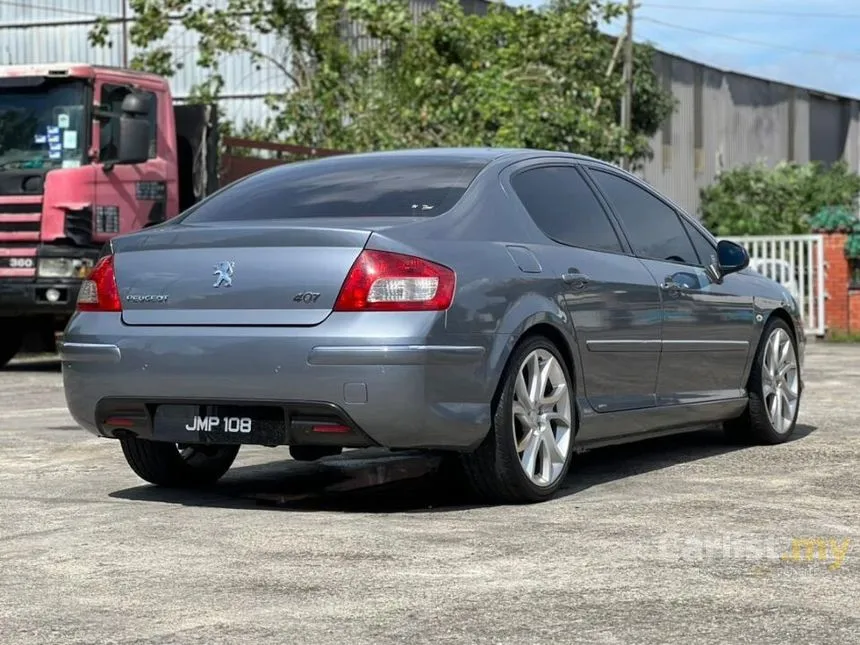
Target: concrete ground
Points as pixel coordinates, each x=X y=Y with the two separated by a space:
x=680 y=540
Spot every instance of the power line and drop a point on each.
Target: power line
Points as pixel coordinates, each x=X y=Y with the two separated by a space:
x=748 y=41
x=744 y=11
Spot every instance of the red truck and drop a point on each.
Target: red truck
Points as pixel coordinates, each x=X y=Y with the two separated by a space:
x=86 y=153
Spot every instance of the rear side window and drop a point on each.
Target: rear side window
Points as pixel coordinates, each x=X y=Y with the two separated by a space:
x=346 y=186
x=564 y=207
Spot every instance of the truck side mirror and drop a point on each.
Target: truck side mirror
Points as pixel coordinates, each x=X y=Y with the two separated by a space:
x=133 y=145
x=134 y=105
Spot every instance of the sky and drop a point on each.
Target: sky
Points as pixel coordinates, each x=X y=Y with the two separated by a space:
x=809 y=43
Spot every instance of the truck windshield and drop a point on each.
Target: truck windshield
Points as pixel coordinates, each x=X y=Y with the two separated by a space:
x=42 y=123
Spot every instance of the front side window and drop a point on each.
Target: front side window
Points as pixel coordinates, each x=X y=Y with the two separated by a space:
x=653 y=228
x=111 y=110
x=564 y=207
x=705 y=249
x=42 y=123
x=349 y=186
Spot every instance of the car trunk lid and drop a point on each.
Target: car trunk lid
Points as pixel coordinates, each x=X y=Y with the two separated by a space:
x=225 y=275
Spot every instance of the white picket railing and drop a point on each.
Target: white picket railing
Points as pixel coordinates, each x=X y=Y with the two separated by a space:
x=803 y=275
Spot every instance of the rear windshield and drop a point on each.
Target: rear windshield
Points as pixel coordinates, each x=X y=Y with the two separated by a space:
x=395 y=186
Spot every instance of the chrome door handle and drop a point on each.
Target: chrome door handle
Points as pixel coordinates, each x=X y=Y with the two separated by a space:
x=574 y=277
x=671 y=286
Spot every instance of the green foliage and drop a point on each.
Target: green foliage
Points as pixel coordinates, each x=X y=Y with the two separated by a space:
x=852 y=252
x=513 y=77
x=852 y=248
x=833 y=219
x=783 y=200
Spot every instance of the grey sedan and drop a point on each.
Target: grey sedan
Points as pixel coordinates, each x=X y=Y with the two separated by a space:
x=507 y=307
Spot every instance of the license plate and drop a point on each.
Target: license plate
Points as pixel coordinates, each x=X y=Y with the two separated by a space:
x=219 y=424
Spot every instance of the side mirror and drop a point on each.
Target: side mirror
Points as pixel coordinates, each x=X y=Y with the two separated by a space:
x=133 y=145
x=732 y=257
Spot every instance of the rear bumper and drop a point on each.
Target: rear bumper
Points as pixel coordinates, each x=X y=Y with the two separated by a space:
x=396 y=390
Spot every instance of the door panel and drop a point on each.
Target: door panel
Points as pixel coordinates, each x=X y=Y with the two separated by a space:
x=612 y=300
x=616 y=317
x=706 y=324
x=128 y=197
x=706 y=331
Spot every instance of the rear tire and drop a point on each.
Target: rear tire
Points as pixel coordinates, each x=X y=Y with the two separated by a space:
x=527 y=453
x=773 y=389
x=177 y=466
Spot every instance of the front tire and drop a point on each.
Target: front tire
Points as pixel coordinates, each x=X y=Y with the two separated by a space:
x=177 y=465
x=773 y=389
x=528 y=451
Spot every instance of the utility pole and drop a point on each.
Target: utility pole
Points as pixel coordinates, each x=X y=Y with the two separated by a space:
x=627 y=100
x=124 y=33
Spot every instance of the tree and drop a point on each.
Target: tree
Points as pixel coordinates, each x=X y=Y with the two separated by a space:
x=512 y=77
x=759 y=200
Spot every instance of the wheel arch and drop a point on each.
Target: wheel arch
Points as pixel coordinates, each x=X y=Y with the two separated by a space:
x=782 y=314
x=545 y=324
x=776 y=313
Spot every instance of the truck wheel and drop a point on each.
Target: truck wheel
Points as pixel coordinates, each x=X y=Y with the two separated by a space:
x=177 y=465
x=11 y=337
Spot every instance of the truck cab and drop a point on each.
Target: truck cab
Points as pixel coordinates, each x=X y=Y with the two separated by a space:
x=86 y=153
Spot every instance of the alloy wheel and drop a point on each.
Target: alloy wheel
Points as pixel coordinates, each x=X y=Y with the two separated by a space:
x=780 y=381
x=542 y=417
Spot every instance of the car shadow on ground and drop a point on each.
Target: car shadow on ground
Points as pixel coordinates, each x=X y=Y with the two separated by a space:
x=376 y=481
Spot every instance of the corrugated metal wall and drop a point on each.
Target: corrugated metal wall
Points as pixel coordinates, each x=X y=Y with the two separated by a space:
x=723 y=119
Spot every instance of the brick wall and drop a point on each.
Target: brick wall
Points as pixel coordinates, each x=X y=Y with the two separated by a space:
x=842 y=304
x=835 y=282
x=854 y=310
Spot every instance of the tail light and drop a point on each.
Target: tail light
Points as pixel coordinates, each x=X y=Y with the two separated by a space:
x=99 y=292
x=383 y=281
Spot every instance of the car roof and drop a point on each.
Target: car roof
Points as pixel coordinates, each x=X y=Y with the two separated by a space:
x=477 y=154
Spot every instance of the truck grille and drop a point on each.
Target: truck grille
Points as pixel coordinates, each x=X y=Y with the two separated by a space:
x=20 y=231
x=20 y=222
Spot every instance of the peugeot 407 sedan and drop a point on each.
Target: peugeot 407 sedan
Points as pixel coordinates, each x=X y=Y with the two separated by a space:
x=508 y=307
